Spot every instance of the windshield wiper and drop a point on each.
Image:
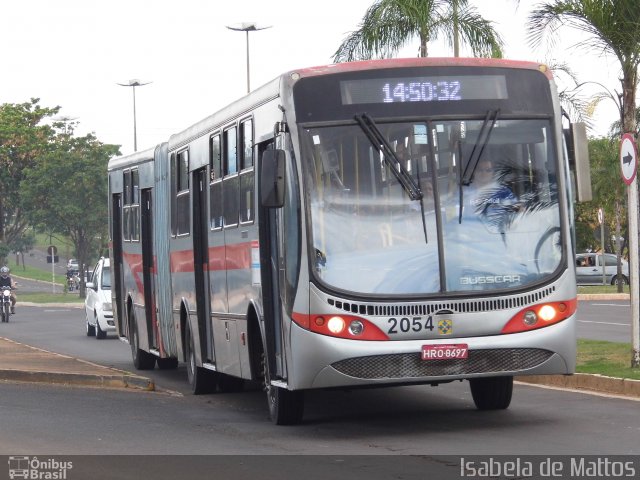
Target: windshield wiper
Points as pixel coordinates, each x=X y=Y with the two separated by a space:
x=377 y=139
x=405 y=179
x=478 y=148
x=481 y=142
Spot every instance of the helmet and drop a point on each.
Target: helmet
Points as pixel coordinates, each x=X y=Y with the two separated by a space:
x=4 y=272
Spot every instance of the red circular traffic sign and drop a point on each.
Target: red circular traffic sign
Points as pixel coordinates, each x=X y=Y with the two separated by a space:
x=628 y=158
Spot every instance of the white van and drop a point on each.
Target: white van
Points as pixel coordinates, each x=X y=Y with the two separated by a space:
x=98 y=311
x=589 y=269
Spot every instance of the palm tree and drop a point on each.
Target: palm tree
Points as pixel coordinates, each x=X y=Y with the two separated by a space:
x=388 y=25
x=612 y=26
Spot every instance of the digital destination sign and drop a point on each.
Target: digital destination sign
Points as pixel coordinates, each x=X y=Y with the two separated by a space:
x=450 y=88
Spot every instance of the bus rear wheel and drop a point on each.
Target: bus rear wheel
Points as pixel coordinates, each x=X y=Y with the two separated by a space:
x=141 y=360
x=200 y=379
x=492 y=393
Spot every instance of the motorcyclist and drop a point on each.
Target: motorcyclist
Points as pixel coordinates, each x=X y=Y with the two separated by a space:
x=72 y=279
x=7 y=281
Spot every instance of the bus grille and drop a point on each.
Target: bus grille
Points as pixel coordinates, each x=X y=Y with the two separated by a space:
x=455 y=306
x=410 y=365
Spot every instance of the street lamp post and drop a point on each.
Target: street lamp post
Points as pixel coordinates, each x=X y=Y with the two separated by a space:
x=133 y=84
x=247 y=27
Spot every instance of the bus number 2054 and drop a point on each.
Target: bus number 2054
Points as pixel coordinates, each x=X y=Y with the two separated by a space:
x=413 y=324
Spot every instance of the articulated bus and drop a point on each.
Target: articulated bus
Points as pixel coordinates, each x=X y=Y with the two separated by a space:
x=332 y=229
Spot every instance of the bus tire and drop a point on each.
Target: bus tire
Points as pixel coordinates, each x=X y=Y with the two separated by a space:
x=286 y=407
x=200 y=379
x=141 y=360
x=491 y=393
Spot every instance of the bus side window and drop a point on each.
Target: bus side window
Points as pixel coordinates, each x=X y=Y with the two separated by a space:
x=126 y=202
x=231 y=187
x=230 y=151
x=215 y=187
x=180 y=192
x=246 y=132
x=247 y=173
x=134 y=213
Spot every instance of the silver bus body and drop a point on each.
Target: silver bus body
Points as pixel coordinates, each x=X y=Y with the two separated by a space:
x=208 y=275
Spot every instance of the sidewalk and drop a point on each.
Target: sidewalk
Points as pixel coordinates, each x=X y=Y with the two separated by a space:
x=23 y=363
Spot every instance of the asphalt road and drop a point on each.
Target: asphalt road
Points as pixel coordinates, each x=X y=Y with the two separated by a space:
x=419 y=420
x=608 y=320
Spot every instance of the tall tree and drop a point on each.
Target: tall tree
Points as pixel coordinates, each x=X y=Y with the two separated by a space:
x=389 y=25
x=23 y=138
x=612 y=26
x=66 y=192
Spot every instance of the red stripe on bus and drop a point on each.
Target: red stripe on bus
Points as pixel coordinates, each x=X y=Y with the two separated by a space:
x=230 y=257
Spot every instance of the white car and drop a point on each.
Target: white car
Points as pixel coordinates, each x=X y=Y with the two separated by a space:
x=98 y=311
x=589 y=269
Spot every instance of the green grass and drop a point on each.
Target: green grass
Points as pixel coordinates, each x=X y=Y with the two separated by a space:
x=33 y=273
x=37 y=297
x=606 y=358
x=602 y=289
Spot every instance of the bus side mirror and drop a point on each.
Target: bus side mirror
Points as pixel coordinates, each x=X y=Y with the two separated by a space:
x=578 y=149
x=272 y=178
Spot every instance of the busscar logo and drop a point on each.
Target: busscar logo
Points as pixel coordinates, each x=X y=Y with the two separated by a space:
x=38 y=469
x=489 y=279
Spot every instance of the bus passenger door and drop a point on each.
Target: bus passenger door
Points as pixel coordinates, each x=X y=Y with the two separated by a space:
x=271 y=261
x=118 y=263
x=148 y=268
x=201 y=262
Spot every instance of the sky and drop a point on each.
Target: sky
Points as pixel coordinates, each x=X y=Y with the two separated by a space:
x=73 y=54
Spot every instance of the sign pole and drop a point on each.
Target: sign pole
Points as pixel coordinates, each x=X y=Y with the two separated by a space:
x=601 y=220
x=628 y=165
x=634 y=284
x=53 y=256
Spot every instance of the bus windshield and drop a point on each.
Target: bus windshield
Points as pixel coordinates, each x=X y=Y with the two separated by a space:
x=494 y=225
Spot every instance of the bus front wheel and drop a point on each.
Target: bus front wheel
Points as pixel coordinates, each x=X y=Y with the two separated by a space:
x=491 y=393
x=286 y=407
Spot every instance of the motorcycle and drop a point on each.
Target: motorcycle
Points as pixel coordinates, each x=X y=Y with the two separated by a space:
x=73 y=281
x=5 y=304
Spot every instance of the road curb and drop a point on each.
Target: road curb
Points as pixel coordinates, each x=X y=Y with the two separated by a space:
x=587 y=382
x=603 y=296
x=25 y=363
x=80 y=379
x=49 y=305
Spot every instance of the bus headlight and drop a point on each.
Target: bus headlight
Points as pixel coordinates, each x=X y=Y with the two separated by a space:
x=356 y=327
x=342 y=326
x=547 y=313
x=550 y=313
x=336 y=325
x=530 y=318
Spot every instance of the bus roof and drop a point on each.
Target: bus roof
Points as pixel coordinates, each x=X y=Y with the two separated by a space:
x=131 y=159
x=421 y=62
x=240 y=107
x=271 y=90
